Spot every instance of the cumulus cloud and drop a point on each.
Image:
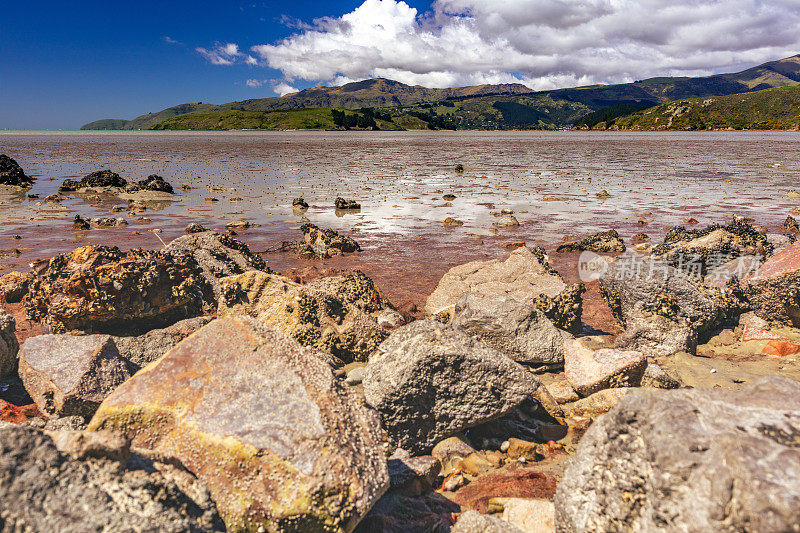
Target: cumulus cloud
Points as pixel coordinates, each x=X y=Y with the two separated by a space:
x=541 y=43
x=255 y=83
x=283 y=88
x=226 y=54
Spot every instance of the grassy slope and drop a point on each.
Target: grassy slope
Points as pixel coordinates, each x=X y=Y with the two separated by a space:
x=106 y=124
x=769 y=109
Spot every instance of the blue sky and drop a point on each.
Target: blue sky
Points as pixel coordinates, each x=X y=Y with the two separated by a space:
x=63 y=64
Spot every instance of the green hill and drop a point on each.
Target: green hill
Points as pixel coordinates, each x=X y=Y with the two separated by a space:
x=768 y=109
x=106 y=124
x=496 y=106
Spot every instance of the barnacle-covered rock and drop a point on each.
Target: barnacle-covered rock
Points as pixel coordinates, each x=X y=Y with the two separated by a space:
x=326 y=242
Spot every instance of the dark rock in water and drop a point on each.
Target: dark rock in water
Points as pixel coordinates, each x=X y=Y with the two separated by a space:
x=144 y=349
x=429 y=382
x=218 y=255
x=280 y=441
x=525 y=276
x=689 y=460
x=773 y=291
x=341 y=203
x=102 y=488
x=101 y=178
x=70 y=375
x=80 y=223
x=459 y=168
x=336 y=315
x=603 y=242
x=517 y=330
x=108 y=222
x=328 y=241
x=663 y=309
x=449 y=197
x=299 y=202
x=101 y=289
x=640 y=238
x=194 y=228
x=8 y=343
x=154 y=182
x=14 y=286
x=12 y=174
x=703 y=249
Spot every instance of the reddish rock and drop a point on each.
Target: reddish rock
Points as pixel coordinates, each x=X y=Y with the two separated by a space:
x=511 y=482
x=18 y=414
x=752 y=333
x=780 y=348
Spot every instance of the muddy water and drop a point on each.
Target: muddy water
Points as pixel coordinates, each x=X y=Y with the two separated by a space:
x=549 y=179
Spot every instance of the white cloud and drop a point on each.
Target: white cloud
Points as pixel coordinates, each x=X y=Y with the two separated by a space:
x=283 y=88
x=255 y=83
x=225 y=54
x=541 y=43
x=169 y=40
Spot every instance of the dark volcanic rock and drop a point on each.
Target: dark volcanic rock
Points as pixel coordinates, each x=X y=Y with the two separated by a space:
x=341 y=203
x=279 y=440
x=12 y=174
x=43 y=489
x=603 y=242
x=194 y=228
x=70 y=375
x=300 y=202
x=515 y=329
x=791 y=228
x=663 y=309
x=218 y=255
x=14 y=286
x=101 y=178
x=100 y=289
x=327 y=242
x=429 y=381
x=153 y=182
x=8 y=343
x=689 y=460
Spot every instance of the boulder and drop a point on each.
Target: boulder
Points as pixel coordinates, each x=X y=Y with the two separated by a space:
x=101 y=289
x=326 y=242
x=12 y=174
x=154 y=182
x=475 y=522
x=334 y=315
x=773 y=291
x=603 y=242
x=281 y=443
x=506 y=221
x=598 y=403
x=689 y=460
x=517 y=330
x=657 y=377
x=589 y=370
x=429 y=381
x=341 y=203
x=396 y=513
x=218 y=255
x=300 y=202
x=531 y=516
x=14 y=286
x=45 y=489
x=525 y=276
x=69 y=375
x=662 y=309
x=142 y=350
x=8 y=343
x=413 y=476
x=100 y=179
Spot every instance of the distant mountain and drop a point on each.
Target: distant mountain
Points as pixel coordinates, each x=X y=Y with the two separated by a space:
x=768 y=109
x=556 y=108
x=146 y=122
x=106 y=124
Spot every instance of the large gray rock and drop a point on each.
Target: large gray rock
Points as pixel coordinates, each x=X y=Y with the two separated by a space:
x=662 y=309
x=142 y=350
x=475 y=522
x=689 y=460
x=43 y=489
x=526 y=276
x=281 y=442
x=429 y=381
x=8 y=343
x=219 y=255
x=515 y=329
x=69 y=375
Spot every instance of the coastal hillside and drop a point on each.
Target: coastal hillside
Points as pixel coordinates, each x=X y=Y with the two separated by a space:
x=548 y=106
x=769 y=109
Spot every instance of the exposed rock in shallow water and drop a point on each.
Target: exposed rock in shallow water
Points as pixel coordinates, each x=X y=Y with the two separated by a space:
x=337 y=315
x=517 y=330
x=99 y=179
x=12 y=174
x=153 y=182
x=8 y=343
x=341 y=203
x=218 y=255
x=689 y=460
x=429 y=382
x=70 y=375
x=281 y=443
x=43 y=489
x=603 y=242
x=525 y=276
x=101 y=289
x=326 y=242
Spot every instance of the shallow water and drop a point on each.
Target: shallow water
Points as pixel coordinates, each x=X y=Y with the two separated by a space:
x=548 y=178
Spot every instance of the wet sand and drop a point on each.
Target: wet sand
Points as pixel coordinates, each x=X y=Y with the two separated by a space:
x=549 y=179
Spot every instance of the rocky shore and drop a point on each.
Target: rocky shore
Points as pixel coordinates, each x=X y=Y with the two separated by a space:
x=193 y=388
